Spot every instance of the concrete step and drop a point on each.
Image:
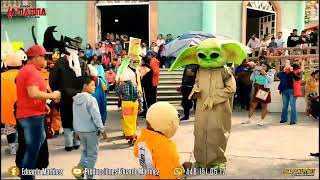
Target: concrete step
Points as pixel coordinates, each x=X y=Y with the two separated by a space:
x=170 y=72
x=115 y=103
x=170 y=77
x=168 y=92
x=175 y=97
x=170 y=82
x=168 y=87
x=160 y=91
x=166 y=69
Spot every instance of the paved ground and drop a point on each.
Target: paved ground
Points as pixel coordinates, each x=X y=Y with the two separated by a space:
x=252 y=152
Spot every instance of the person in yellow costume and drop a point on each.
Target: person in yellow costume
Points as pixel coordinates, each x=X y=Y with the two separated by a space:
x=130 y=91
x=13 y=60
x=155 y=150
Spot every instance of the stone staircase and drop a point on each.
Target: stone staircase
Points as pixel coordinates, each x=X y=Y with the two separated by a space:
x=169 y=81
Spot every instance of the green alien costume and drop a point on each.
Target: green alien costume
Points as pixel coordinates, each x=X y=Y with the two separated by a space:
x=214 y=89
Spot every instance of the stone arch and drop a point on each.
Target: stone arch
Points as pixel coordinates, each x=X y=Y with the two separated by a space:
x=91 y=15
x=277 y=9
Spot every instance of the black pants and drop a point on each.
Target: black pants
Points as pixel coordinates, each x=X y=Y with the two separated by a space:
x=112 y=87
x=315 y=106
x=12 y=138
x=243 y=96
x=150 y=97
x=187 y=103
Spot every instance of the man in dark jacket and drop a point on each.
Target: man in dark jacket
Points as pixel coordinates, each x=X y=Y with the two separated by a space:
x=65 y=77
x=286 y=88
x=188 y=80
x=293 y=39
x=244 y=84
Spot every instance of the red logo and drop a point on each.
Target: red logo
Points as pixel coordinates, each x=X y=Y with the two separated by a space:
x=26 y=12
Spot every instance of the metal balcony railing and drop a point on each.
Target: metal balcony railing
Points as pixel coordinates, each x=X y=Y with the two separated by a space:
x=16 y=4
x=308 y=56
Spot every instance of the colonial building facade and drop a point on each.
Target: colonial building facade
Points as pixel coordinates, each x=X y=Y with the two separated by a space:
x=235 y=19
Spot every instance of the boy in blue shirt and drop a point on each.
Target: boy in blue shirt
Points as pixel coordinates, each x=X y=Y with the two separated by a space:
x=87 y=123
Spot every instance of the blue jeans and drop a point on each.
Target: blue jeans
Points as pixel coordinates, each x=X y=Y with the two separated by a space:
x=288 y=98
x=90 y=144
x=34 y=135
x=69 y=140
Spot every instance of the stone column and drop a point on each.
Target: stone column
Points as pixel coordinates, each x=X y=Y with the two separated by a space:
x=301 y=14
x=42 y=22
x=209 y=16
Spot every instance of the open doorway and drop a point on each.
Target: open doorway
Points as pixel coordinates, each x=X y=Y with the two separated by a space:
x=132 y=20
x=260 y=23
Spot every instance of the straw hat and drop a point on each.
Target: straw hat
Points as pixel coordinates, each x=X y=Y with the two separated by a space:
x=163 y=117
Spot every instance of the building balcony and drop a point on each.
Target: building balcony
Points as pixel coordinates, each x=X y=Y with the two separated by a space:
x=16 y=4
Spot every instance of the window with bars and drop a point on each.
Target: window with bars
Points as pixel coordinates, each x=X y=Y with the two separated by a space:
x=16 y=4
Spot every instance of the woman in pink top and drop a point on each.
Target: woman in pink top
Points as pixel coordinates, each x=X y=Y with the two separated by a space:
x=160 y=40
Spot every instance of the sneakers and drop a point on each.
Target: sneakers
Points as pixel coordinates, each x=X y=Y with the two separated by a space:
x=68 y=148
x=76 y=147
x=282 y=121
x=260 y=123
x=184 y=118
x=219 y=167
x=312 y=117
x=13 y=148
x=292 y=123
x=314 y=154
x=248 y=121
x=132 y=142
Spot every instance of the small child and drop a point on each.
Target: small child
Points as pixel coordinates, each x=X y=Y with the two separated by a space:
x=154 y=148
x=87 y=123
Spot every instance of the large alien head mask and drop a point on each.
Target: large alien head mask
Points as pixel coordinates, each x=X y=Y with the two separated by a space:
x=212 y=53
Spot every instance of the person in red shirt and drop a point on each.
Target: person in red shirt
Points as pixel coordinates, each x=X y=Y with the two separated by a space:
x=31 y=104
x=150 y=81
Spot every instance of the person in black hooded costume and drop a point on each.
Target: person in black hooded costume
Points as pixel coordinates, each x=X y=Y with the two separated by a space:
x=65 y=77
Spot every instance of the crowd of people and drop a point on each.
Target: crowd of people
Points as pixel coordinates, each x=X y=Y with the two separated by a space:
x=257 y=79
x=75 y=85
x=70 y=91
x=114 y=47
x=306 y=38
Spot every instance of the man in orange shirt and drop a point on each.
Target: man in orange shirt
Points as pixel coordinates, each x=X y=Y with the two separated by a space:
x=156 y=152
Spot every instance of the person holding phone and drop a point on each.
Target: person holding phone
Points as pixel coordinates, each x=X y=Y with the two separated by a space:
x=262 y=77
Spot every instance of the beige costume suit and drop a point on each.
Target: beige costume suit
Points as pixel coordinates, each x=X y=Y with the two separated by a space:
x=216 y=88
